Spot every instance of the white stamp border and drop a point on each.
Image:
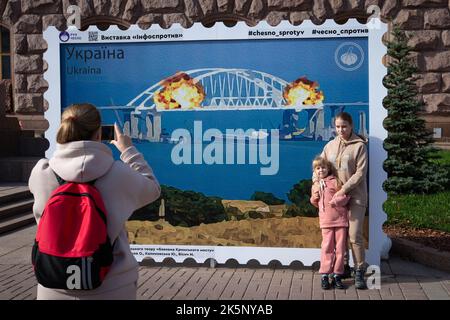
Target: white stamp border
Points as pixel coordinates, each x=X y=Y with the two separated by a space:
x=377 y=113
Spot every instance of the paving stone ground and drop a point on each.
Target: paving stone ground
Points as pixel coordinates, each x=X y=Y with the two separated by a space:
x=400 y=280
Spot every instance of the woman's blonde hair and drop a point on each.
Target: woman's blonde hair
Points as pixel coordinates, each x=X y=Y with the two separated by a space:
x=322 y=162
x=78 y=122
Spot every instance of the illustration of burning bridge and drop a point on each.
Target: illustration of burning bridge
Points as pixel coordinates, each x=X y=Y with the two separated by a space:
x=212 y=89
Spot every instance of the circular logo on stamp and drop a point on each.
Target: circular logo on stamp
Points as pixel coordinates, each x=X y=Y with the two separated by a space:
x=64 y=36
x=349 y=56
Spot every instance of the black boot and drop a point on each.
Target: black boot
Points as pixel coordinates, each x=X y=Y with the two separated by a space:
x=325 y=283
x=360 y=283
x=337 y=282
x=347 y=272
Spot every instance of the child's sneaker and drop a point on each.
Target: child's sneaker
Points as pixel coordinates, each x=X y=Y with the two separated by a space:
x=325 y=282
x=337 y=282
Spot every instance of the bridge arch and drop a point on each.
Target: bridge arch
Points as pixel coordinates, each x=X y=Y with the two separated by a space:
x=226 y=89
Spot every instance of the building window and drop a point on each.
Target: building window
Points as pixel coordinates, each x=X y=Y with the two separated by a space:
x=5 y=54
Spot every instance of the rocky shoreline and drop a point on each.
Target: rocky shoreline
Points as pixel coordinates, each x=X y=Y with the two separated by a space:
x=296 y=232
x=249 y=223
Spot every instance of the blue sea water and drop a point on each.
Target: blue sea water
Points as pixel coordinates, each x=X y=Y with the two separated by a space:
x=232 y=181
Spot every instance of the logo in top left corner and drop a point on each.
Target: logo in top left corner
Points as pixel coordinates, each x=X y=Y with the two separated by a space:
x=64 y=36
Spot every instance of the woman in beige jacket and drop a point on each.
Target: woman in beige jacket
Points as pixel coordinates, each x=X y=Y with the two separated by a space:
x=348 y=152
x=124 y=185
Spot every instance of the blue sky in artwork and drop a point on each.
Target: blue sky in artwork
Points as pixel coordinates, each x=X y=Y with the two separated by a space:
x=145 y=64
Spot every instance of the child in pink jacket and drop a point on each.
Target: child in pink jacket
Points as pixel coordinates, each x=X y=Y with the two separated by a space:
x=333 y=218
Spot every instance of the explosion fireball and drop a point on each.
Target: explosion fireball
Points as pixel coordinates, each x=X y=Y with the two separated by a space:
x=179 y=91
x=302 y=92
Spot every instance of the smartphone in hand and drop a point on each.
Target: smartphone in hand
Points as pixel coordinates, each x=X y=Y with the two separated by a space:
x=107 y=132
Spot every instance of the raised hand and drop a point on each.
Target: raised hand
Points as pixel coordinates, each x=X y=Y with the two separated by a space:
x=121 y=141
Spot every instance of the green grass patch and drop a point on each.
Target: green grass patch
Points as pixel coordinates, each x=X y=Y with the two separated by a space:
x=443 y=157
x=420 y=211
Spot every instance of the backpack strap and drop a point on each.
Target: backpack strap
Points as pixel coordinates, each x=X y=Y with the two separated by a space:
x=61 y=181
x=92 y=182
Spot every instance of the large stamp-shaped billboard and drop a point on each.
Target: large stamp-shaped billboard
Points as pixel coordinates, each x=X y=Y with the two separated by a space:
x=230 y=120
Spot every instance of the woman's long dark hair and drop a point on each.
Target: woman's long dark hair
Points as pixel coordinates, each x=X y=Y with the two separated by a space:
x=344 y=116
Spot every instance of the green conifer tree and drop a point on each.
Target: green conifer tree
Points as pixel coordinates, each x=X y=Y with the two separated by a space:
x=409 y=143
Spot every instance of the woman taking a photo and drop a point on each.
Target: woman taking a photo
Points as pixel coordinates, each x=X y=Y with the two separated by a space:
x=124 y=186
